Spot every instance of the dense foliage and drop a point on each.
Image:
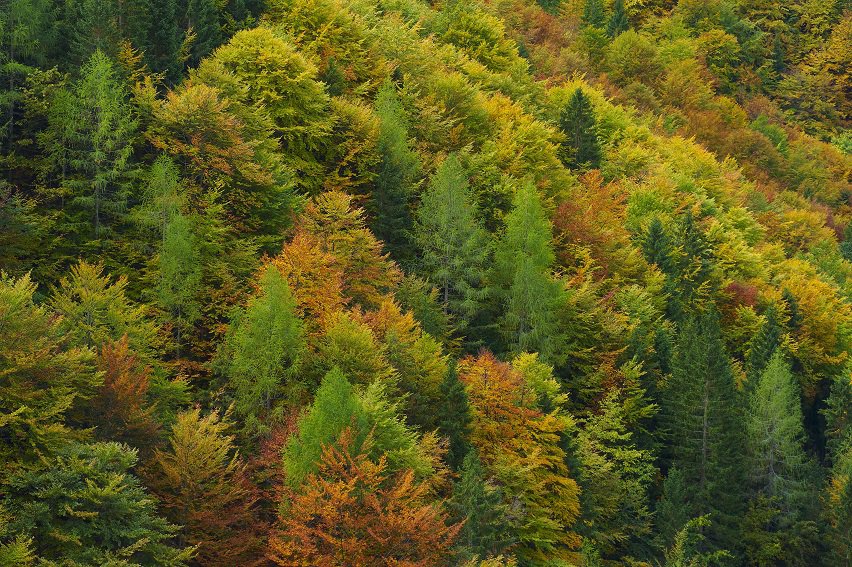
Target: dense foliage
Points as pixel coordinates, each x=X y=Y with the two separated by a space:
x=391 y=282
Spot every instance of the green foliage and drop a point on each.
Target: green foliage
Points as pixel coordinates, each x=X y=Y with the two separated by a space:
x=86 y=507
x=581 y=149
x=594 y=14
x=523 y=263
x=454 y=249
x=454 y=419
x=263 y=350
x=618 y=22
x=764 y=345
x=180 y=277
x=479 y=504
x=397 y=177
x=202 y=17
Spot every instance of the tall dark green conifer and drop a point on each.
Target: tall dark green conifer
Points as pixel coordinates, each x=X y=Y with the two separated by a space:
x=594 y=14
x=395 y=184
x=657 y=247
x=479 y=505
x=618 y=22
x=702 y=412
x=763 y=346
x=581 y=148
x=202 y=17
x=454 y=418
x=163 y=40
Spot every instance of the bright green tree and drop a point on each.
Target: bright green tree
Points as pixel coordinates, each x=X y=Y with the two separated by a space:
x=397 y=177
x=454 y=249
x=523 y=264
x=89 y=142
x=263 y=350
x=479 y=504
x=581 y=148
x=180 y=277
x=764 y=345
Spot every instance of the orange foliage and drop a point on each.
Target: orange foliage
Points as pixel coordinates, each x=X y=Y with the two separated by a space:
x=352 y=514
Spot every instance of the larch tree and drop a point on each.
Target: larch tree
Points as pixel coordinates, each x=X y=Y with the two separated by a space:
x=263 y=350
x=581 y=148
x=523 y=269
x=203 y=486
x=180 y=275
x=396 y=181
x=90 y=136
x=454 y=249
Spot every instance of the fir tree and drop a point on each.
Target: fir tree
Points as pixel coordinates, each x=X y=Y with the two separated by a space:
x=454 y=249
x=454 y=418
x=657 y=247
x=594 y=14
x=523 y=267
x=618 y=22
x=705 y=424
x=396 y=181
x=163 y=41
x=485 y=531
x=263 y=350
x=581 y=148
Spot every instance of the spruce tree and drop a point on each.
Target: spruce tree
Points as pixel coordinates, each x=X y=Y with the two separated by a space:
x=657 y=247
x=202 y=17
x=263 y=349
x=581 y=148
x=163 y=40
x=454 y=418
x=618 y=22
x=454 y=249
x=705 y=424
x=523 y=266
x=485 y=532
x=594 y=14
x=396 y=181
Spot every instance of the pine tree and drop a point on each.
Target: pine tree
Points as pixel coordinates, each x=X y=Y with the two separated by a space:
x=202 y=17
x=203 y=486
x=656 y=246
x=523 y=267
x=454 y=418
x=703 y=417
x=454 y=249
x=485 y=531
x=581 y=148
x=594 y=14
x=618 y=22
x=180 y=272
x=763 y=346
x=263 y=350
x=396 y=181
x=85 y=507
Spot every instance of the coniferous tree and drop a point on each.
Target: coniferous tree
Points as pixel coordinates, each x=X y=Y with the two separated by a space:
x=202 y=18
x=163 y=41
x=85 y=507
x=454 y=418
x=485 y=531
x=397 y=177
x=180 y=278
x=203 y=486
x=780 y=523
x=838 y=508
x=581 y=148
x=89 y=143
x=763 y=346
x=657 y=247
x=454 y=249
x=594 y=14
x=618 y=22
x=263 y=350
x=705 y=424
x=530 y=294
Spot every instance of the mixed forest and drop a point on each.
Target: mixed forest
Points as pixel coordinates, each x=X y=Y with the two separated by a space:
x=479 y=283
